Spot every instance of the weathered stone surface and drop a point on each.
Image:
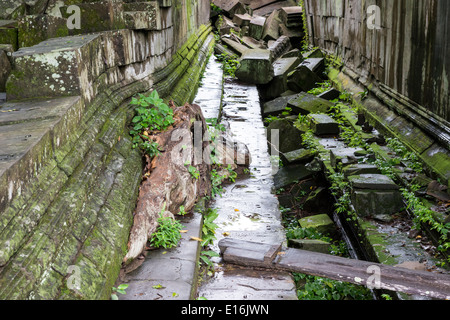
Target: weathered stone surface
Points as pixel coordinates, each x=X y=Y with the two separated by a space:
x=372 y=181
x=142 y=15
x=303 y=79
x=231 y=7
x=242 y=20
x=344 y=156
x=291 y=174
x=280 y=46
x=321 y=222
x=225 y=25
x=234 y=45
x=255 y=67
x=256 y=27
x=308 y=103
x=5 y=69
x=292 y=16
x=310 y=245
x=367 y=202
x=358 y=169
x=297 y=156
x=276 y=106
x=330 y=94
x=8 y=33
x=11 y=9
x=278 y=85
x=322 y=124
x=289 y=136
x=271 y=27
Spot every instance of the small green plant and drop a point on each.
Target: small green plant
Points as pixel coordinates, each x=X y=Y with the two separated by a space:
x=209 y=227
x=120 y=289
x=152 y=114
x=167 y=234
x=229 y=64
x=194 y=172
x=317 y=288
x=181 y=211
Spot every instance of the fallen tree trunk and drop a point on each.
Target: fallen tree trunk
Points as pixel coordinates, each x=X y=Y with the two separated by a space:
x=167 y=183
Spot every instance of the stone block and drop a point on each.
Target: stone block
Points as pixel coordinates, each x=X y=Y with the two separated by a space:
x=310 y=245
x=255 y=66
x=271 y=27
x=297 y=156
x=376 y=202
x=256 y=27
x=321 y=222
x=289 y=175
x=8 y=33
x=290 y=137
x=278 y=85
x=330 y=94
x=242 y=19
x=98 y=16
x=303 y=79
x=322 y=124
x=5 y=69
x=142 y=16
x=292 y=17
x=236 y=46
x=225 y=25
x=344 y=156
x=280 y=46
x=372 y=181
x=231 y=7
x=11 y=9
x=307 y=103
x=276 y=106
x=357 y=169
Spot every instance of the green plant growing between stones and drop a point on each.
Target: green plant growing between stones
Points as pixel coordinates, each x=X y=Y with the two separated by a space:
x=194 y=172
x=167 y=234
x=151 y=114
x=120 y=289
x=209 y=227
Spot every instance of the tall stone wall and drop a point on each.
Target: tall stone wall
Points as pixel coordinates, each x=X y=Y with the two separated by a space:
x=396 y=51
x=408 y=53
x=69 y=176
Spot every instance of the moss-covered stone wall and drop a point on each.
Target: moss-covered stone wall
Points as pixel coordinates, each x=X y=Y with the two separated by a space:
x=69 y=182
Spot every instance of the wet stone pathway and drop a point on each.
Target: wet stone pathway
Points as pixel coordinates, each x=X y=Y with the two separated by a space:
x=248 y=210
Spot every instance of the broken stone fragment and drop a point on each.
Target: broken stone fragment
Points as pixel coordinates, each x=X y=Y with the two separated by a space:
x=142 y=15
x=367 y=202
x=297 y=156
x=237 y=47
x=295 y=35
x=230 y=7
x=310 y=245
x=292 y=16
x=278 y=85
x=225 y=25
x=280 y=46
x=307 y=103
x=256 y=27
x=8 y=33
x=317 y=65
x=276 y=106
x=345 y=156
x=271 y=27
x=372 y=181
x=289 y=137
x=255 y=66
x=303 y=79
x=330 y=94
x=322 y=124
x=360 y=168
x=5 y=69
x=321 y=222
x=286 y=176
x=242 y=19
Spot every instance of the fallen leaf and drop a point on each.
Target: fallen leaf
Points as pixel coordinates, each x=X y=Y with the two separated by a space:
x=281 y=253
x=236 y=210
x=196 y=239
x=226 y=234
x=183 y=231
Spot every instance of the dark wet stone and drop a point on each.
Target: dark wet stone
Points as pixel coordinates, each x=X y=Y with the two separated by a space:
x=290 y=174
